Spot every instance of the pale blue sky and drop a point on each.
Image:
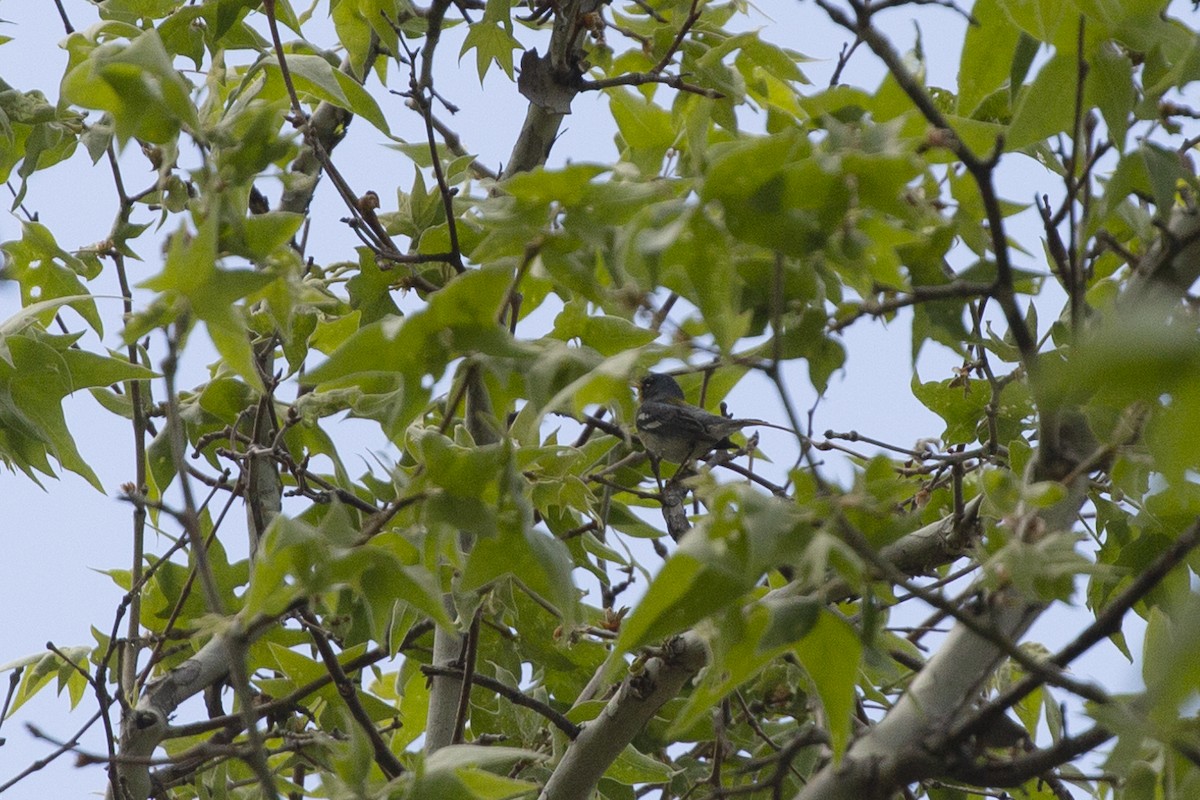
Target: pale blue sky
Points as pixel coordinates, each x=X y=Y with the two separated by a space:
x=54 y=540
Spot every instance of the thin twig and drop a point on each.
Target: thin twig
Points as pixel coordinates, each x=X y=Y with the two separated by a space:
x=508 y=692
x=692 y=17
x=62 y=14
x=843 y=59
x=384 y=756
x=470 y=652
x=918 y=294
x=66 y=747
x=642 y=78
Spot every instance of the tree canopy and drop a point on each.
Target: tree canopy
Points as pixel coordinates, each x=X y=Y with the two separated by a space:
x=508 y=598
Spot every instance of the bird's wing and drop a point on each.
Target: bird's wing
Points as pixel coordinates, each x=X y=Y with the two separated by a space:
x=683 y=420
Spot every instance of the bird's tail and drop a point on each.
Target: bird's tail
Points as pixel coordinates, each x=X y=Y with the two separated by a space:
x=762 y=423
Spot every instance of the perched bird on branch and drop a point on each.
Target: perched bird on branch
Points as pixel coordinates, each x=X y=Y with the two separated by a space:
x=674 y=430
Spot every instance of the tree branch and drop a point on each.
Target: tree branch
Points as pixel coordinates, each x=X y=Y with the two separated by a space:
x=1017 y=771
x=1107 y=622
x=384 y=756
x=639 y=697
x=893 y=753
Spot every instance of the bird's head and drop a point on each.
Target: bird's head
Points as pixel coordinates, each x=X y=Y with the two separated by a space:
x=658 y=387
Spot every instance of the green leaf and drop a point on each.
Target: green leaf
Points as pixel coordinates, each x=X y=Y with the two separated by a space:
x=490 y=786
x=389 y=359
x=191 y=274
x=712 y=280
x=35 y=133
x=353 y=26
x=298 y=668
x=40 y=371
x=135 y=83
x=370 y=290
x=774 y=193
x=486 y=496
x=1111 y=88
x=580 y=381
x=1044 y=494
x=382 y=581
x=183 y=35
x=1141 y=782
x=1128 y=358
x=746 y=641
x=1047 y=107
x=633 y=767
x=1166 y=173
x=987 y=55
x=133 y=11
x=248 y=140
x=314 y=75
x=695 y=261
x=1171 y=676
x=696 y=581
x=294 y=560
x=1043 y=19
x=540 y=187
x=414 y=708
x=1027 y=49
x=960 y=402
x=492 y=40
x=264 y=233
x=458 y=756
x=49 y=277
x=831 y=654
x=646 y=129
x=86 y=369
x=1149 y=172
x=608 y=335
x=40 y=669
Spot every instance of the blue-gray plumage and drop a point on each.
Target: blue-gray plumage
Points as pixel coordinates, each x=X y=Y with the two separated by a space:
x=674 y=430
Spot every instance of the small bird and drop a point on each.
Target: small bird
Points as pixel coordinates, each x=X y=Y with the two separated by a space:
x=677 y=431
